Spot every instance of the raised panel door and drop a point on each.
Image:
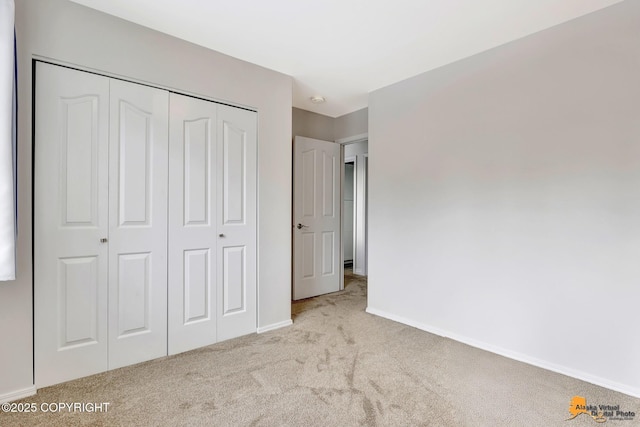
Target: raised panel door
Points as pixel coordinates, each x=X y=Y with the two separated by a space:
x=236 y=222
x=192 y=223
x=138 y=174
x=317 y=234
x=70 y=218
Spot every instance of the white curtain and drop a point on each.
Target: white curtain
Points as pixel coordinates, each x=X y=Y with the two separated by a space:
x=7 y=142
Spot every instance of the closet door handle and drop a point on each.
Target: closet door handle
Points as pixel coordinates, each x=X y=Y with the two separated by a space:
x=220 y=235
x=104 y=240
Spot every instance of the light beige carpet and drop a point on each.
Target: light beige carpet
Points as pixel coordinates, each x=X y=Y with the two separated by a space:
x=336 y=366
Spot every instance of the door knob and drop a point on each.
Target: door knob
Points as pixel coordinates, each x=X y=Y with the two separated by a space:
x=300 y=226
x=220 y=235
x=103 y=240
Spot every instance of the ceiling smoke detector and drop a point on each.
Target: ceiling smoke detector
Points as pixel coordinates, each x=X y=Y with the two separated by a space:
x=318 y=99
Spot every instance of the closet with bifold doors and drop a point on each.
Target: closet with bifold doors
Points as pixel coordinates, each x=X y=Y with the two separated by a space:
x=144 y=223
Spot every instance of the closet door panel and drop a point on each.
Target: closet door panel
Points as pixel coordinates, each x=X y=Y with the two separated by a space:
x=192 y=223
x=138 y=174
x=236 y=249
x=70 y=218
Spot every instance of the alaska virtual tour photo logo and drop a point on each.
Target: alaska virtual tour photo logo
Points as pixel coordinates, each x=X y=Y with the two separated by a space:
x=599 y=413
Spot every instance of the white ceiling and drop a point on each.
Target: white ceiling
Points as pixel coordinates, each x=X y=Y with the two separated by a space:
x=344 y=49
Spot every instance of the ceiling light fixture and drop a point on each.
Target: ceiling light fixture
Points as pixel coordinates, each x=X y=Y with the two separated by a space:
x=318 y=99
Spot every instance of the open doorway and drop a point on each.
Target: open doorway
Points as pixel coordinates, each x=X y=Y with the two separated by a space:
x=318 y=214
x=348 y=203
x=354 y=224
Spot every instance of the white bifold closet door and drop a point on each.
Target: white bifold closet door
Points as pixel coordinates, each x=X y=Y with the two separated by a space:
x=138 y=178
x=192 y=223
x=212 y=223
x=70 y=219
x=145 y=223
x=237 y=222
x=100 y=224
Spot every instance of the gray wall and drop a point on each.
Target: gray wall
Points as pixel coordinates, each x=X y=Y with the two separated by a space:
x=75 y=35
x=504 y=200
x=317 y=126
x=312 y=125
x=356 y=123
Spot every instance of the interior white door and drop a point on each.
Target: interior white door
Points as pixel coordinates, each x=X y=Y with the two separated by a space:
x=70 y=219
x=138 y=174
x=316 y=199
x=236 y=217
x=192 y=223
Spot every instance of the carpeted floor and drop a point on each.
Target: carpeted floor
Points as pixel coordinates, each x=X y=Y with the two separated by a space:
x=336 y=366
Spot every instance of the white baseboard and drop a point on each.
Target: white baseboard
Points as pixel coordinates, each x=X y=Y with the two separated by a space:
x=593 y=379
x=18 y=394
x=275 y=326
